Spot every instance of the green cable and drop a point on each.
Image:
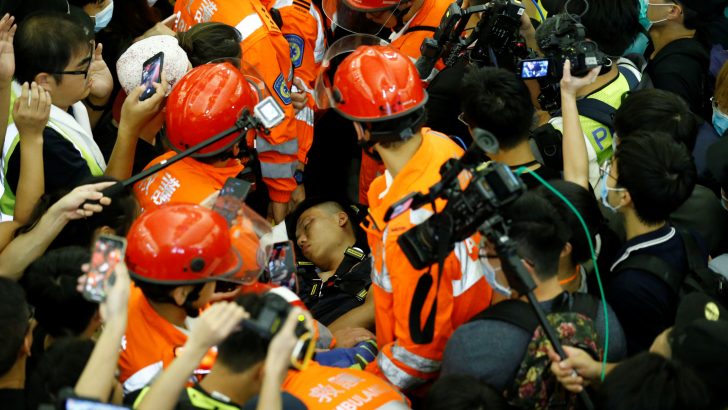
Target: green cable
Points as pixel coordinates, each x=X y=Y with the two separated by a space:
x=521 y=170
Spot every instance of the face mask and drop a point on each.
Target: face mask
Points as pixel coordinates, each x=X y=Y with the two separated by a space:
x=720 y=121
x=492 y=279
x=644 y=21
x=103 y=17
x=605 y=194
x=652 y=23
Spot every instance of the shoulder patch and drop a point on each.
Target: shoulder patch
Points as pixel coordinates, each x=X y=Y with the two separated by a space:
x=281 y=88
x=296 y=45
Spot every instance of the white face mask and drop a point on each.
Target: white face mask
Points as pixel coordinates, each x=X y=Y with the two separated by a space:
x=490 y=276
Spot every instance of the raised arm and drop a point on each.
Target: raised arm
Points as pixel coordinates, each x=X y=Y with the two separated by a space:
x=576 y=161
x=97 y=379
x=28 y=247
x=7 y=69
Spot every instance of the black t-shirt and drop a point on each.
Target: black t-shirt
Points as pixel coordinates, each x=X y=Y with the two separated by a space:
x=682 y=68
x=12 y=399
x=339 y=295
x=63 y=165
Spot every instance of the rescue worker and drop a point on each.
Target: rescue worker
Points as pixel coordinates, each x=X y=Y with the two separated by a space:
x=386 y=103
x=175 y=255
x=409 y=23
x=266 y=50
x=192 y=116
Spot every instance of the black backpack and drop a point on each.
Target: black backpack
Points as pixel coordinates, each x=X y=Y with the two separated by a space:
x=698 y=278
x=572 y=317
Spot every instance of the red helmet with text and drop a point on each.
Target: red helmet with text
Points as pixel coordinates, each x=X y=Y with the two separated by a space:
x=180 y=244
x=206 y=101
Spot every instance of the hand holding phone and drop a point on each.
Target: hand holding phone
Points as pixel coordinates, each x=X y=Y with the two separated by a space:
x=151 y=73
x=107 y=252
x=282 y=265
x=231 y=199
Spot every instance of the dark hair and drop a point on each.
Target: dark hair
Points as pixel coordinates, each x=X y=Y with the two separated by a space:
x=586 y=204
x=657 y=110
x=650 y=381
x=60 y=367
x=50 y=283
x=658 y=172
x=612 y=24
x=14 y=315
x=81 y=3
x=243 y=348
x=209 y=41
x=539 y=232
x=45 y=43
x=160 y=293
x=707 y=19
x=462 y=392
x=119 y=215
x=496 y=100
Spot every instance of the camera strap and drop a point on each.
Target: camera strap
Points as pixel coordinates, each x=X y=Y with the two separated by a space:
x=419 y=335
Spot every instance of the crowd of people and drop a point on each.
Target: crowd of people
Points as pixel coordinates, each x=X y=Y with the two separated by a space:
x=257 y=204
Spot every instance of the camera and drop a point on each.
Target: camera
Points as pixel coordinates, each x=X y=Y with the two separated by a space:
x=269 y=318
x=495 y=40
x=491 y=187
x=560 y=38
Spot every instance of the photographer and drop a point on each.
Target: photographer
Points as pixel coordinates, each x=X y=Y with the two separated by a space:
x=497 y=101
x=612 y=25
x=389 y=124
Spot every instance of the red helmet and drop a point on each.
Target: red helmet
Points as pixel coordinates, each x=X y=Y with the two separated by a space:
x=180 y=244
x=206 y=101
x=377 y=83
x=351 y=15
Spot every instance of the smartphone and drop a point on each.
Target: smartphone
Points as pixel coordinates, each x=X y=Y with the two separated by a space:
x=107 y=252
x=282 y=265
x=537 y=68
x=151 y=73
x=85 y=404
x=231 y=199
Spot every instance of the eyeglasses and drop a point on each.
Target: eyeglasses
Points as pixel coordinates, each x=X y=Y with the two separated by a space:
x=461 y=118
x=605 y=170
x=84 y=73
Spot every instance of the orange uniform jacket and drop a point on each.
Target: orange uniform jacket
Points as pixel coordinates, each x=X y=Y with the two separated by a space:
x=304 y=30
x=408 y=42
x=264 y=48
x=463 y=289
x=322 y=387
x=188 y=181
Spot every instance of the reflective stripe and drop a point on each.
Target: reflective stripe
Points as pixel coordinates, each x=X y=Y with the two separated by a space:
x=142 y=377
x=395 y=375
x=248 y=25
x=417 y=362
x=320 y=49
x=382 y=278
x=420 y=215
x=274 y=170
x=471 y=270
x=279 y=4
x=306 y=115
x=287 y=148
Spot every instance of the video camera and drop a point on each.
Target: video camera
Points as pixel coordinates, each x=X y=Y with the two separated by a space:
x=491 y=187
x=560 y=38
x=497 y=35
x=268 y=320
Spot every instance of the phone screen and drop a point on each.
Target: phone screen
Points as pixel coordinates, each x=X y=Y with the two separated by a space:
x=535 y=68
x=108 y=250
x=231 y=199
x=151 y=73
x=282 y=265
x=83 y=404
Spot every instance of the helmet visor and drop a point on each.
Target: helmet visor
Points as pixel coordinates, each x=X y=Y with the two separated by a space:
x=360 y=16
x=251 y=236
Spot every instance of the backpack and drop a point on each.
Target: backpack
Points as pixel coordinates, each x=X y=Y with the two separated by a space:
x=698 y=278
x=548 y=140
x=572 y=316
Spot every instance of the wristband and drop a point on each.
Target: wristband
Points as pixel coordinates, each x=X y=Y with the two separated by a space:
x=93 y=106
